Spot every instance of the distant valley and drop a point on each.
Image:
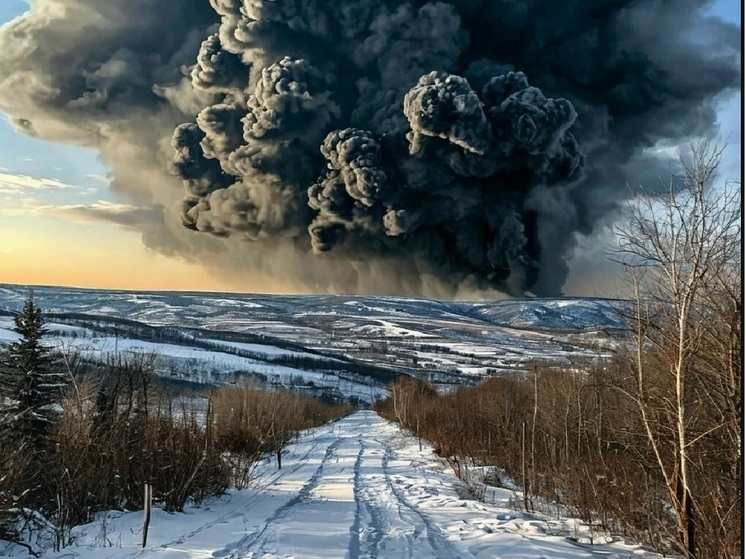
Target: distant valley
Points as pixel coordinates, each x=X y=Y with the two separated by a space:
x=344 y=346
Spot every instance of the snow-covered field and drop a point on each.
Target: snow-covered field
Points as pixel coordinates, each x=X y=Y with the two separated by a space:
x=209 y=367
x=357 y=488
x=445 y=342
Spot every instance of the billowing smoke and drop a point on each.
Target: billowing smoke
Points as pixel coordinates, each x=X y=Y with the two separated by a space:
x=372 y=145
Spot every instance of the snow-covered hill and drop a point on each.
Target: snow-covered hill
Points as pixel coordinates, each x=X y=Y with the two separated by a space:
x=357 y=488
x=371 y=338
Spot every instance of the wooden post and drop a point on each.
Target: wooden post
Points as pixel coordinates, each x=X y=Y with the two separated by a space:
x=147 y=503
x=523 y=466
x=60 y=524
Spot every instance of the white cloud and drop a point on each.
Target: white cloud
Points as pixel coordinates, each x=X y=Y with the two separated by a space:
x=102 y=206
x=100 y=179
x=11 y=183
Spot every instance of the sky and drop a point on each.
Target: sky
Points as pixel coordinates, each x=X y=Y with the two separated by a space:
x=48 y=232
x=52 y=197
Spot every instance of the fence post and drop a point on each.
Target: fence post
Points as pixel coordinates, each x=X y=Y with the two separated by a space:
x=147 y=503
x=523 y=466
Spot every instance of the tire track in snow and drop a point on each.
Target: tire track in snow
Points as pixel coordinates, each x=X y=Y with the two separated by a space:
x=395 y=526
x=437 y=540
x=377 y=500
x=354 y=547
x=245 y=501
x=258 y=540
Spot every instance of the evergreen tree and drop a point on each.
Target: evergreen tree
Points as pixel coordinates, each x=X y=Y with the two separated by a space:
x=31 y=383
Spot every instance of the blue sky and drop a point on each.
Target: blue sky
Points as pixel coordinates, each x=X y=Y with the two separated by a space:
x=41 y=184
x=45 y=241
x=39 y=160
x=23 y=155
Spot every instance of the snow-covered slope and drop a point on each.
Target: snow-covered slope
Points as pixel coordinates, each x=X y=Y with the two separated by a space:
x=358 y=488
x=448 y=342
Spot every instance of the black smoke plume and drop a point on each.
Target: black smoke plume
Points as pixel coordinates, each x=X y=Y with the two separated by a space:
x=372 y=145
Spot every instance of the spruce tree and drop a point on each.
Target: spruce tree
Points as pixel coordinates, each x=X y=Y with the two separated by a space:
x=31 y=382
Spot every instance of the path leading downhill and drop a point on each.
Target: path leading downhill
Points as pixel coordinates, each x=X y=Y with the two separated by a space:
x=358 y=488
x=348 y=507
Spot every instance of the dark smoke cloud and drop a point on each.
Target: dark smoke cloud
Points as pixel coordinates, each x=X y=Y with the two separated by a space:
x=372 y=145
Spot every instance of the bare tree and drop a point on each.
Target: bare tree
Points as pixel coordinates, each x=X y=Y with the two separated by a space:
x=677 y=246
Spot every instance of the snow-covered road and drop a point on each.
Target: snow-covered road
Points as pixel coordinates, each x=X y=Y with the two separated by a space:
x=358 y=488
x=351 y=506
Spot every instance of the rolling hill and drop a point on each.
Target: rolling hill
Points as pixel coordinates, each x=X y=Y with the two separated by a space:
x=345 y=345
